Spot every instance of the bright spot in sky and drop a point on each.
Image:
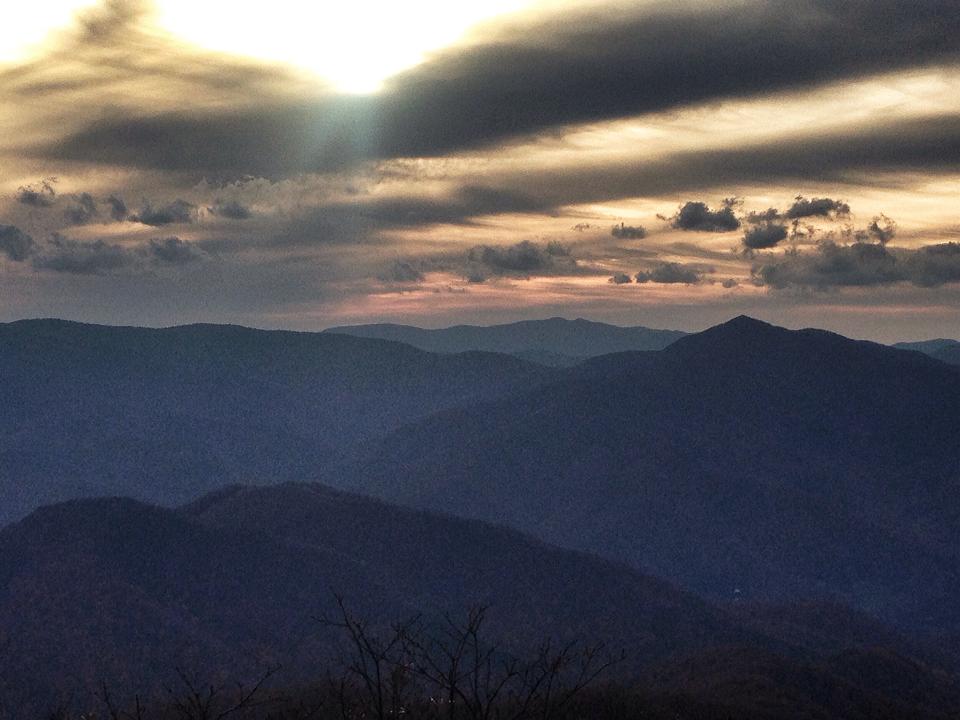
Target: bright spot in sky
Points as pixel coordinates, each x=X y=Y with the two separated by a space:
x=353 y=44
x=26 y=25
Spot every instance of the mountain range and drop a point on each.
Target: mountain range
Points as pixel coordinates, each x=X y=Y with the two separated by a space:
x=112 y=593
x=746 y=461
x=163 y=415
x=767 y=520
x=554 y=341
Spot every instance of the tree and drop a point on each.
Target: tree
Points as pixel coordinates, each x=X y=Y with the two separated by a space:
x=452 y=671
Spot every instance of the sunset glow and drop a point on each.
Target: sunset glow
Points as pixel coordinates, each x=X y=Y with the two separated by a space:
x=428 y=157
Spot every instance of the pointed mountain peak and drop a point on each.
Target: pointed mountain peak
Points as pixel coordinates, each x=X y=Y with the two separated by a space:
x=744 y=336
x=745 y=321
x=742 y=327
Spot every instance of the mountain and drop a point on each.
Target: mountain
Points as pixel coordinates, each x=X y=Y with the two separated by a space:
x=744 y=462
x=947 y=351
x=112 y=591
x=115 y=590
x=555 y=341
x=163 y=415
x=949 y=354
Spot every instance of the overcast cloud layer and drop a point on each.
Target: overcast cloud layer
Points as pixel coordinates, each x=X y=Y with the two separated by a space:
x=654 y=163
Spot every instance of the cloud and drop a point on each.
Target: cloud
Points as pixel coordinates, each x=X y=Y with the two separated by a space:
x=697 y=216
x=231 y=209
x=671 y=273
x=174 y=251
x=99 y=257
x=928 y=144
x=118 y=208
x=402 y=272
x=42 y=195
x=82 y=211
x=764 y=216
x=934 y=265
x=620 y=279
x=817 y=207
x=522 y=259
x=179 y=211
x=882 y=229
x=460 y=207
x=598 y=64
x=15 y=244
x=761 y=237
x=76 y=257
x=861 y=264
x=628 y=232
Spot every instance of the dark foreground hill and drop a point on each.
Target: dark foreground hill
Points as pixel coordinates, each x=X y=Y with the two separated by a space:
x=555 y=341
x=747 y=461
x=118 y=591
x=163 y=415
x=114 y=591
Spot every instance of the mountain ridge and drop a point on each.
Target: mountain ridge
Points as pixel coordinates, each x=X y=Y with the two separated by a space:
x=555 y=341
x=797 y=450
x=165 y=414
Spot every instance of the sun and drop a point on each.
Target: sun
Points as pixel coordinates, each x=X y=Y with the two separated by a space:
x=353 y=45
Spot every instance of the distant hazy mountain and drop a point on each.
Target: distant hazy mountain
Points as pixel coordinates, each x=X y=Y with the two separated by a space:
x=745 y=461
x=555 y=341
x=163 y=415
x=947 y=351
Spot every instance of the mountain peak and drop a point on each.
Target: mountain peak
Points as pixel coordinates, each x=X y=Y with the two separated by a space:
x=745 y=323
x=740 y=332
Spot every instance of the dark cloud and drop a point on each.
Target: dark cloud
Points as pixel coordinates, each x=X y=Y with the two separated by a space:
x=934 y=265
x=41 y=195
x=522 y=259
x=817 y=207
x=760 y=237
x=76 y=257
x=82 y=211
x=930 y=144
x=15 y=244
x=628 y=232
x=862 y=264
x=402 y=272
x=620 y=279
x=174 y=251
x=697 y=216
x=179 y=211
x=764 y=216
x=671 y=273
x=882 y=229
x=118 y=208
x=461 y=207
x=231 y=209
x=544 y=74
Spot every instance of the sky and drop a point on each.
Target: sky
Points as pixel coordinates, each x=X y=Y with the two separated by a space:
x=301 y=165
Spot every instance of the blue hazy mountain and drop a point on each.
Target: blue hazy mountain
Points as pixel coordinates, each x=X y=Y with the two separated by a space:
x=555 y=341
x=163 y=415
x=947 y=351
x=745 y=461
